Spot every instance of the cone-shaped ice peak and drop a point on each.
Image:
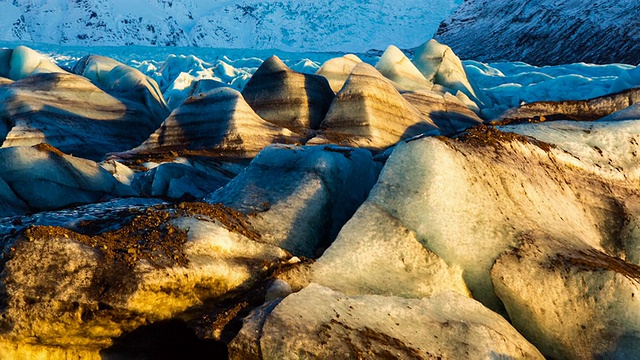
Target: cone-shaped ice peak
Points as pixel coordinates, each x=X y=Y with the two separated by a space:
x=287 y=98
x=370 y=112
x=219 y=120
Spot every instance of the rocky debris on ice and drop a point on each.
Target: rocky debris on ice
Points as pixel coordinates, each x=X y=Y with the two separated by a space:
x=123 y=81
x=298 y=198
x=287 y=98
x=546 y=32
x=76 y=292
x=396 y=66
x=219 y=120
x=369 y=112
x=569 y=299
x=337 y=70
x=42 y=178
x=69 y=112
x=580 y=110
x=606 y=149
x=319 y=322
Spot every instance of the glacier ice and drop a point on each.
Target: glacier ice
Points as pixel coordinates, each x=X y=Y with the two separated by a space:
x=287 y=98
x=175 y=181
x=319 y=322
x=468 y=200
x=441 y=66
x=232 y=128
x=397 y=67
x=337 y=70
x=570 y=300
x=45 y=178
x=376 y=254
x=22 y=62
x=298 y=198
x=123 y=81
x=72 y=114
x=369 y=112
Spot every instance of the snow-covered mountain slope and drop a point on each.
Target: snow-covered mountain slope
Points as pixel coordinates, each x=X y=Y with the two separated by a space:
x=353 y=25
x=545 y=32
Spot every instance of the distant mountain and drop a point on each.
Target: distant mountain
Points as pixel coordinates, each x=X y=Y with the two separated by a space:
x=545 y=32
x=303 y=25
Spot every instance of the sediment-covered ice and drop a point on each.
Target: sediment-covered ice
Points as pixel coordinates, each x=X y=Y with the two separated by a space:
x=74 y=115
x=570 y=300
x=369 y=112
x=467 y=201
x=287 y=98
x=584 y=110
x=218 y=120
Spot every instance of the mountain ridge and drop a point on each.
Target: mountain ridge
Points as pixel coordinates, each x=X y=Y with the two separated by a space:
x=545 y=33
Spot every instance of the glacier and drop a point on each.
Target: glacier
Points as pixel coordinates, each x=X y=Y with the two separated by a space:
x=235 y=203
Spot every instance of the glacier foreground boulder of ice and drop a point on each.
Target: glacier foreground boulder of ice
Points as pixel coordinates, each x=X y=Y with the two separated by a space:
x=369 y=112
x=123 y=81
x=337 y=70
x=288 y=98
x=468 y=199
x=298 y=198
x=74 y=293
x=318 y=322
x=608 y=149
x=44 y=178
x=376 y=254
x=219 y=120
x=70 y=113
x=397 y=67
x=569 y=299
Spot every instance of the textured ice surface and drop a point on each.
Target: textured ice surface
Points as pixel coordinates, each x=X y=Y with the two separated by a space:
x=300 y=197
x=609 y=149
x=468 y=202
x=571 y=301
x=505 y=85
x=320 y=323
x=46 y=179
